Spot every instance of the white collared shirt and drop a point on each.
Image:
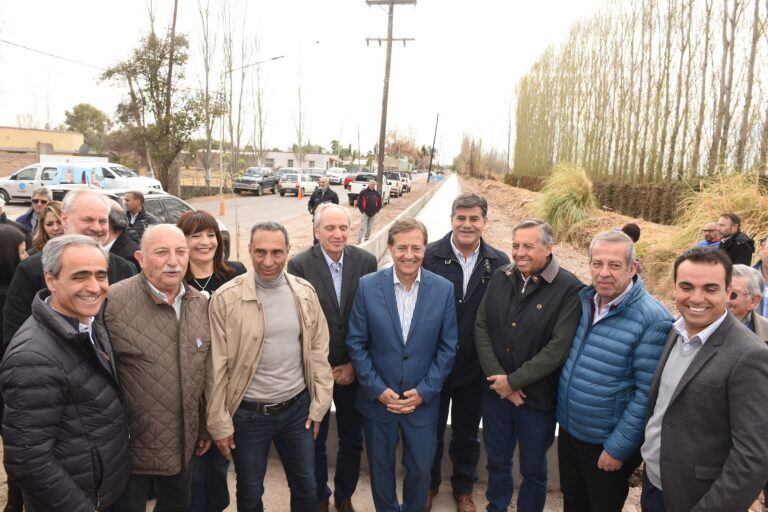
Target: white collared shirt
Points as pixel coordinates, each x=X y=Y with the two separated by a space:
x=336 y=272
x=467 y=264
x=406 y=302
x=162 y=296
x=601 y=311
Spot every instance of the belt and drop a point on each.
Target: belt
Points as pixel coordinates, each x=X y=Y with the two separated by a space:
x=270 y=409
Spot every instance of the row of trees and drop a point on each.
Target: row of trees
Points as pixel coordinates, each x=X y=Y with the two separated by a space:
x=651 y=90
x=476 y=161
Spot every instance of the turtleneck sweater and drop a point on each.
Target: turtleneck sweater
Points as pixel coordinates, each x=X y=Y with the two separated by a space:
x=280 y=374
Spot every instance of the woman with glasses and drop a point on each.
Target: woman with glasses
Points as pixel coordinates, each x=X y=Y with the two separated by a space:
x=207 y=271
x=12 y=251
x=49 y=227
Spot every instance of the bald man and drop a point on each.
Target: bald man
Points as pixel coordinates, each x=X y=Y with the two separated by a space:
x=161 y=338
x=84 y=212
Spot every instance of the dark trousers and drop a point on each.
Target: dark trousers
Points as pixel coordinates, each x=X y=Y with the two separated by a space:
x=210 y=492
x=254 y=434
x=349 y=425
x=15 y=501
x=505 y=426
x=172 y=492
x=419 y=444
x=585 y=487
x=465 y=404
x=652 y=498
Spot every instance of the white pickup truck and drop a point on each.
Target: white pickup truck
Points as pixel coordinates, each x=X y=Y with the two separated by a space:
x=19 y=185
x=360 y=182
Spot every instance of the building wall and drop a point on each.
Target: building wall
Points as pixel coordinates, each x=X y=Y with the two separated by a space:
x=26 y=139
x=273 y=159
x=11 y=161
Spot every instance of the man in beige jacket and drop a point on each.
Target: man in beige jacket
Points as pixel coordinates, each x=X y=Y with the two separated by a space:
x=270 y=379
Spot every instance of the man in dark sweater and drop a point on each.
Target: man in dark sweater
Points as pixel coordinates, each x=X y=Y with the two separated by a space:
x=138 y=218
x=736 y=244
x=84 y=212
x=465 y=259
x=369 y=204
x=523 y=334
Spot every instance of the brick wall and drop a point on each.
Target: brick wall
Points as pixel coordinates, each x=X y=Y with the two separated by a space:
x=10 y=162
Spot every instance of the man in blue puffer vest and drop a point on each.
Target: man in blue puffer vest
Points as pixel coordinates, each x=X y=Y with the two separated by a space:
x=603 y=391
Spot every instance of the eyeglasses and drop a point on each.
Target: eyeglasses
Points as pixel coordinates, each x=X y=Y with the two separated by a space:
x=40 y=201
x=735 y=295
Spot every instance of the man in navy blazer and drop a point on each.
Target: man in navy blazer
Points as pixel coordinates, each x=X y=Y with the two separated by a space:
x=402 y=342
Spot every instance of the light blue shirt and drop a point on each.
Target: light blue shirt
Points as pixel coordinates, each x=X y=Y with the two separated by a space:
x=336 y=270
x=406 y=302
x=467 y=264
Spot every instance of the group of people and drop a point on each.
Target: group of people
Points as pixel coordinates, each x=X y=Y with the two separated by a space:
x=123 y=379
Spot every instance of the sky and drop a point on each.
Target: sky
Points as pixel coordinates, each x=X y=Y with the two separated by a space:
x=464 y=63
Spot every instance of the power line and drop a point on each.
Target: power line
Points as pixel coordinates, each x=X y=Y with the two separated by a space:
x=41 y=52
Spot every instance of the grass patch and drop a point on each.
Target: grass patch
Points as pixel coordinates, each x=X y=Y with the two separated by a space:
x=566 y=201
x=738 y=193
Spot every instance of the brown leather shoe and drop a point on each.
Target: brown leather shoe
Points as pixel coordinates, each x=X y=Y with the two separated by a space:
x=464 y=503
x=430 y=497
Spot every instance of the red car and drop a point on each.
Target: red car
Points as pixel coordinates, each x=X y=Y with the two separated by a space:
x=350 y=177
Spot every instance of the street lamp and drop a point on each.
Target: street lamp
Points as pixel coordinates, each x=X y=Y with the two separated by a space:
x=222 y=207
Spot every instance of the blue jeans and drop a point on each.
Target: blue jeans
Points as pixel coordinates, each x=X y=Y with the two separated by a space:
x=504 y=426
x=349 y=424
x=210 y=492
x=254 y=434
x=651 y=498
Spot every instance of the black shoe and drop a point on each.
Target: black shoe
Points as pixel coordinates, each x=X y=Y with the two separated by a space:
x=322 y=505
x=345 y=506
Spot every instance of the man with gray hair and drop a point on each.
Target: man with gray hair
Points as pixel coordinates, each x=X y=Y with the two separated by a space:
x=64 y=428
x=84 y=212
x=161 y=337
x=41 y=196
x=334 y=268
x=118 y=241
x=270 y=380
x=523 y=333
x=602 y=399
x=746 y=296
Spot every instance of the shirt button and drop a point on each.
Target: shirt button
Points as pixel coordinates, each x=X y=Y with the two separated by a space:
x=507 y=349
x=514 y=324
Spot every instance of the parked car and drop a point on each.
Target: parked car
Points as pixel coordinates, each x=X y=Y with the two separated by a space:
x=349 y=178
x=336 y=175
x=256 y=179
x=316 y=176
x=292 y=182
x=395 y=181
x=164 y=206
x=316 y=170
x=406 y=181
x=19 y=185
x=360 y=182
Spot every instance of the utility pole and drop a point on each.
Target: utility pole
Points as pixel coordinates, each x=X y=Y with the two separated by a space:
x=385 y=96
x=432 y=149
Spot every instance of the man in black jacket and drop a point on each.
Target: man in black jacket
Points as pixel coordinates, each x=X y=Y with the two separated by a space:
x=64 y=428
x=334 y=269
x=737 y=245
x=118 y=241
x=369 y=204
x=322 y=194
x=465 y=259
x=84 y=212
x=138 y=217
x=523 y=333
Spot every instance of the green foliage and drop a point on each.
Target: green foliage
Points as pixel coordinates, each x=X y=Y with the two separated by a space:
x=566 y=200
x=91 y=122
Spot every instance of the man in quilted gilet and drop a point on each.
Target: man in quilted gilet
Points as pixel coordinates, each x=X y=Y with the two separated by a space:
x=602 y=400
x=161 y=338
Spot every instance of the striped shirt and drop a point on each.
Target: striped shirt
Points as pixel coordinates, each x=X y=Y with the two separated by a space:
x=406 y=302
x=467 y=264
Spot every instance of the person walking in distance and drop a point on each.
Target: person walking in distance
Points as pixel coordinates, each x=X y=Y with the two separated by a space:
x=369 y=204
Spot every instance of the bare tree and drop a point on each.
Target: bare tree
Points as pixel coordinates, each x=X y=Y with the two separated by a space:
x=208 y=45
x=741 y=144
x=300 y=126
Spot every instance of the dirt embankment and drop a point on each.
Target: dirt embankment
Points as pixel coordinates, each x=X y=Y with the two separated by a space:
x=509 y=205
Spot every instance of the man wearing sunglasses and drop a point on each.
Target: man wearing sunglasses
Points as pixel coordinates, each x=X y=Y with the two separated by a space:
x=40 y=197
x=746 y=297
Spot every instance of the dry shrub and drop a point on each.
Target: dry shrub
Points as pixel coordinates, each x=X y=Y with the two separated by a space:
x=566 y=201
x=736 y=193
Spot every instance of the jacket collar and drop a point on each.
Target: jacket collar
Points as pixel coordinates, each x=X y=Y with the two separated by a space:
x=638 y=290
x=188 y=293
x=56 y=322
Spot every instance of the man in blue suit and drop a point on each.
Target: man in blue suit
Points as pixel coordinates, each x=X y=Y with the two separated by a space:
x=402 y=342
